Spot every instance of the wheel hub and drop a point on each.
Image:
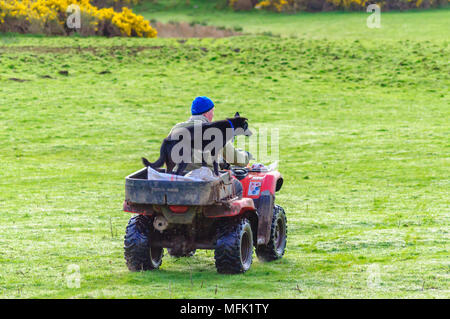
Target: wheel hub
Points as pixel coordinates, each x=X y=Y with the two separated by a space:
x=246 y=250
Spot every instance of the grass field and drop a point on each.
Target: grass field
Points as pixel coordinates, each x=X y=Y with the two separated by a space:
x=412 y=25
x=364 y=131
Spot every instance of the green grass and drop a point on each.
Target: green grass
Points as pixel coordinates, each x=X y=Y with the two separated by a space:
x=412 y=25
x=364 y=153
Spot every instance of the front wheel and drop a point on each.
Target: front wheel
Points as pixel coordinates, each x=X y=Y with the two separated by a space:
x=234 y=247
x=139 y=253
x=278 y=235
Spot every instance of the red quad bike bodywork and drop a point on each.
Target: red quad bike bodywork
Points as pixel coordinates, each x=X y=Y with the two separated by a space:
x=261 y=188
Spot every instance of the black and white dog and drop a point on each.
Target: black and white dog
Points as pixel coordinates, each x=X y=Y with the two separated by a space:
x=178 y=147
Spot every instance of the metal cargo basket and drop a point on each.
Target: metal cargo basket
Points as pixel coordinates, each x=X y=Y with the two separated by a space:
x=140 y=190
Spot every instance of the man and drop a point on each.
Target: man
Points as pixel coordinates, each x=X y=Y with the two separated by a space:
x=202 y=110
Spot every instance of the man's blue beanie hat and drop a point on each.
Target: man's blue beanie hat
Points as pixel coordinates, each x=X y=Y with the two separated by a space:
x=201 y=104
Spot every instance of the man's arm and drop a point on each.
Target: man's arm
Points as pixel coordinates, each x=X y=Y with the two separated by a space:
x=235 y=156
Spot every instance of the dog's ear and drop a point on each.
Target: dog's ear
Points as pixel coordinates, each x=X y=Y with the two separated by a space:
x=237 y=114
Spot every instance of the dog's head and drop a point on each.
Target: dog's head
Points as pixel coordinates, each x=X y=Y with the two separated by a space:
x=240 y=125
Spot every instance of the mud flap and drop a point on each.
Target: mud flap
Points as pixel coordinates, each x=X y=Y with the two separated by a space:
x=265 y=214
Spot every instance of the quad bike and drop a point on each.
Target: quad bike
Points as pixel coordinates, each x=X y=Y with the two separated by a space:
x=183 y=216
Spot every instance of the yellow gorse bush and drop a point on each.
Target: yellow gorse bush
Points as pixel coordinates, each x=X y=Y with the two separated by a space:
x=116 y=4
x=46 y=12
x=348 y=3
x=277 y=5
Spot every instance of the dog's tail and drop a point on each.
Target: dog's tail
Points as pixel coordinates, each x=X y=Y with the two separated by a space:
x=159 y=162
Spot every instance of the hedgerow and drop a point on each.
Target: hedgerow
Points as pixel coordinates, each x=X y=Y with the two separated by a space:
x=51 y=17
x=326 y=5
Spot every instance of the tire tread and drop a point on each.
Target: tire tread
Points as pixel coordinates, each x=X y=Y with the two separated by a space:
x=137 y=244
x=227 y=252
x=269 y=252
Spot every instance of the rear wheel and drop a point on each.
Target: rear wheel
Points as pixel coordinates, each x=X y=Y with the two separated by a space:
x=139 y=253
x=234 y=247
x=278 y=235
